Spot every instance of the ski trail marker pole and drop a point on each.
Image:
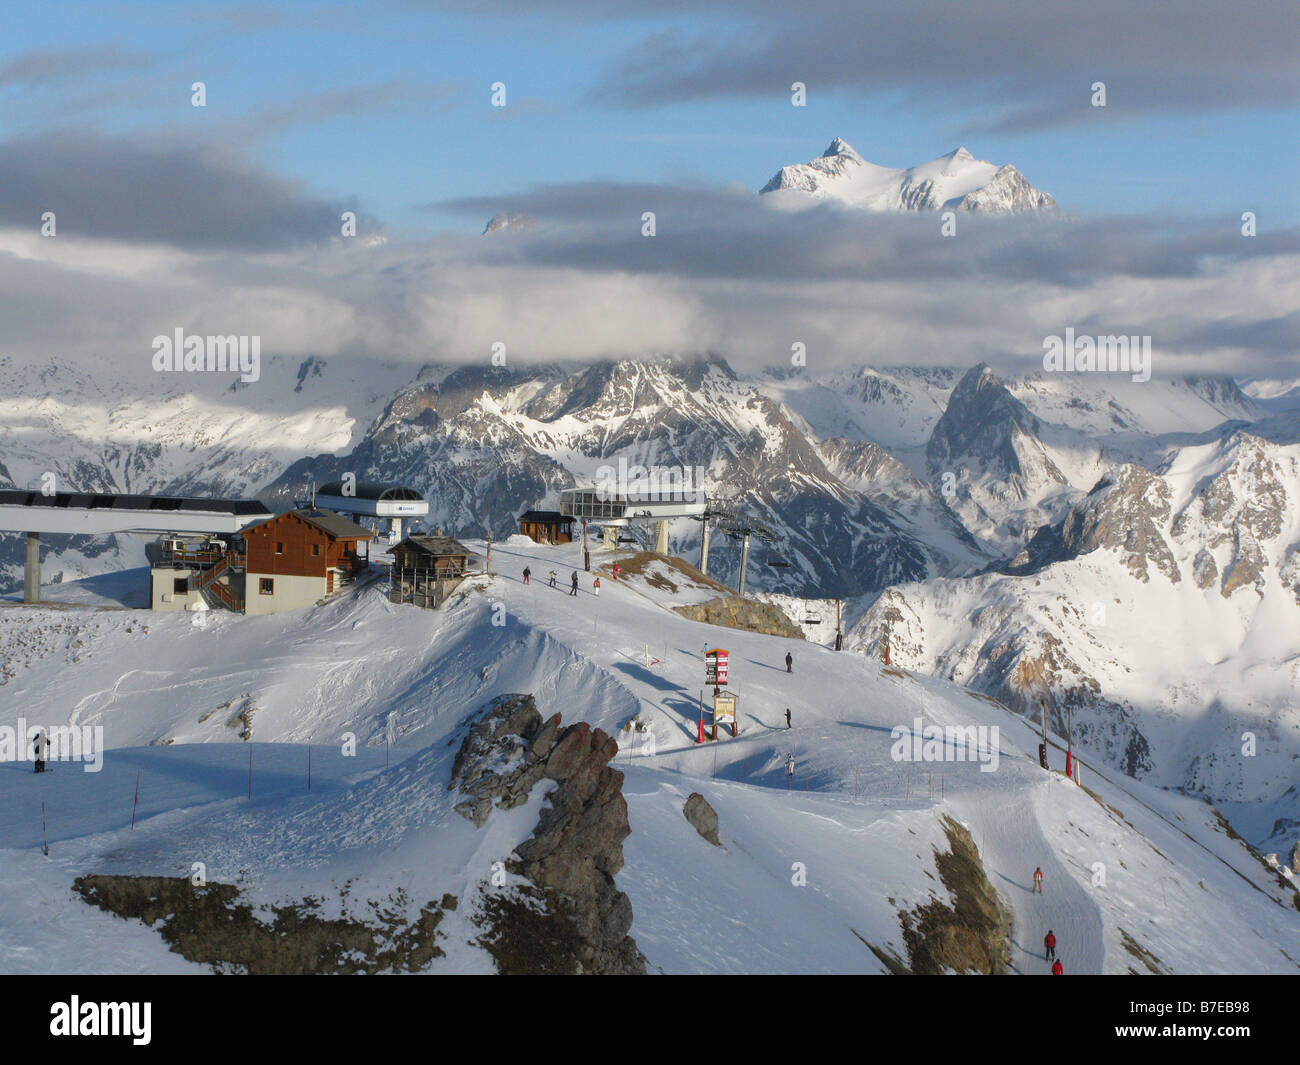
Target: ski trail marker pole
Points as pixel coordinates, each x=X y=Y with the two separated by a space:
x=45 y=839
x=136 y=801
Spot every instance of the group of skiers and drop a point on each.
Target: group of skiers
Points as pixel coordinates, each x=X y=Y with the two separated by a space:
x=1049 y=940
x=573 y=581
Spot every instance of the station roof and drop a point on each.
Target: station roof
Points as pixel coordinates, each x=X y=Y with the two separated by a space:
x=372 y=490
x=553 y=517
x=119 y=501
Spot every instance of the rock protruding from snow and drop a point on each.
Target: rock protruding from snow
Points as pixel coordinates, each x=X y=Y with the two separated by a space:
x=956 y=181
x=575 y=850
x=702 y=817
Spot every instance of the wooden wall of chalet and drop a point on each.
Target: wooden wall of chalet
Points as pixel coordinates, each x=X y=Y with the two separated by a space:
x=299 y=538
x=545 y=533
x=445 y=566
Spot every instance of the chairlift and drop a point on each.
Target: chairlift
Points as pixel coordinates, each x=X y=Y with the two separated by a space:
x=624 y=539
x=776 y=561
x=812 y=621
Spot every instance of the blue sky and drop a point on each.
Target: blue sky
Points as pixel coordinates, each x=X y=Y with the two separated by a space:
x=389 y=104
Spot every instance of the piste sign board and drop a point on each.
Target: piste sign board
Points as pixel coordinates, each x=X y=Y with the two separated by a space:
x=715 y=667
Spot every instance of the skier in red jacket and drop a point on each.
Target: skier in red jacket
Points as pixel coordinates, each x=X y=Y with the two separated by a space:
x=1049 y=941
x=1058 y=969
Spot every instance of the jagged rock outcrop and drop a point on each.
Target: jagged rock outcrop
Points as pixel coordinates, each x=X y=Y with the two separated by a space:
x=570 y=917
x=733 y=612
x=702 y=817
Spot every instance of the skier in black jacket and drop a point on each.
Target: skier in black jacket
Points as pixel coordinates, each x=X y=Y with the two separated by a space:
x=789 y=662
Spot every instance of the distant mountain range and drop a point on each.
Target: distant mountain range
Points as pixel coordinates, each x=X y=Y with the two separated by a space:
x=956 y=181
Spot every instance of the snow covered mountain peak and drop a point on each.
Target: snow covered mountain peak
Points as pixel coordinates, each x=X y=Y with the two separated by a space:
x=839 y=146
x=956 y=181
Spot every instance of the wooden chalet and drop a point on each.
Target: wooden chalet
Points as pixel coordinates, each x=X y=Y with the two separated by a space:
x=426 y=569
x=300 y=557
x=546 y=527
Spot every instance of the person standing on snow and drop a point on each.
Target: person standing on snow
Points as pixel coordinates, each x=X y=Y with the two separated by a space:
x=615 y=571
x=551 y=582
x=595 y=586
x=789 y=662
x=1058 y=969
x=787 y=717
x=1049 y=943
x=574 y=579
x=527 y=573
x=41 y=749
x=789 y=766
x=1038 y=880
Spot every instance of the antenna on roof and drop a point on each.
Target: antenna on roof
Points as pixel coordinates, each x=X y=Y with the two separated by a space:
x=313 y=494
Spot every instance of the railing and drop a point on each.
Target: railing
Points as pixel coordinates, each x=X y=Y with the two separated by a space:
x=207 y=581
x=203 y=559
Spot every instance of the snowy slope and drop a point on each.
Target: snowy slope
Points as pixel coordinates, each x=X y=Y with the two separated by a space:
x=864 y=827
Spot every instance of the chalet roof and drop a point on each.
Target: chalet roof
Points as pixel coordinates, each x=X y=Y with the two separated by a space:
x=433 y=545
x=545 y=517
x=333 y=525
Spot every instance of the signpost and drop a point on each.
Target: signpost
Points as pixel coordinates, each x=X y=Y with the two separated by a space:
x=716 y=671
x=716 y=667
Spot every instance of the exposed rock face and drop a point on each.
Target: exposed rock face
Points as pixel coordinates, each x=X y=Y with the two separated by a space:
x=984 y=422
x=214 y=925
x=702 y=817
x=747 y=614
x=969 y=934
x=1243 y=509
x=1125 y=513
x=582 y=920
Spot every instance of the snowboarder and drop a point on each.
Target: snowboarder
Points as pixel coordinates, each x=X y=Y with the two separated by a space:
x=787 y=717
x=41 y=748
x=574 y=581
x=1038 y=880
x=1049 y=943
x=1058 y=969
x=615 y=571
x=551 y=581
x=595 y=586
x=527 y=573
x=789 y=662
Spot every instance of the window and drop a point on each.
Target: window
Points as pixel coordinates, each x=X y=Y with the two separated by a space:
x=180 y=586
x=279 y=547
x=315 y=549
x=266 y=586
